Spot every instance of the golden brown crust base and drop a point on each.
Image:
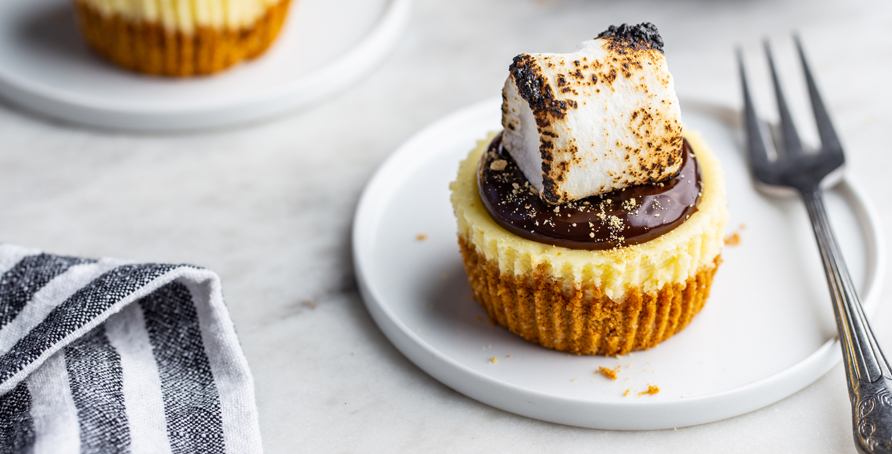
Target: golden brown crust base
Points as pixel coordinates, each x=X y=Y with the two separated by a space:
x=150 y=48
x=583 y=320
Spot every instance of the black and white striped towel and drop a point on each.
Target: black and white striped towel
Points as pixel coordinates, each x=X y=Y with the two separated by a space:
x=105 y=356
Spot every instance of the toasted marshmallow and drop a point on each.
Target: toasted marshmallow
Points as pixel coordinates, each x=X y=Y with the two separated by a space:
x=603 y=118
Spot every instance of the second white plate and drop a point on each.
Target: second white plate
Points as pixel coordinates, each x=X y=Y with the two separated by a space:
x=46 y=67
x=766 y=332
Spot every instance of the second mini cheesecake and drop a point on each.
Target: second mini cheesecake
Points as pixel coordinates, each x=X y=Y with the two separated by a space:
x=180 y=37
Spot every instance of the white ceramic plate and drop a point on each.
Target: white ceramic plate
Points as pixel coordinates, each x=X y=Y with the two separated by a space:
x=766 y=332
x=46 y=67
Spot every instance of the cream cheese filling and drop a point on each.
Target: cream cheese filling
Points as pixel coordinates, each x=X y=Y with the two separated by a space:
x=186 y=15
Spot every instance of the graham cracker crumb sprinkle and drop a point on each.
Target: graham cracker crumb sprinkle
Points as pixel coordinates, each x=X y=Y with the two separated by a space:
x=609 y=373
x=651 y=389
x=732 y=240
x=498 y=165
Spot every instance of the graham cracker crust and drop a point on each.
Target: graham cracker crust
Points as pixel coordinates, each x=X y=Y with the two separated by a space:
x=583 y=320
x=151 y=49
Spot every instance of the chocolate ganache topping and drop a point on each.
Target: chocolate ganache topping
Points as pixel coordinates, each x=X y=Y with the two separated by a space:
x=623 y=217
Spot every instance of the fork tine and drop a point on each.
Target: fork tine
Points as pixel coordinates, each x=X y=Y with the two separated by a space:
x=792 y=144
x=829 y=140
x=758 y=153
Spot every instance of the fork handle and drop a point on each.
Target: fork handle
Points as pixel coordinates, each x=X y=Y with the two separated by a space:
x=867 y=371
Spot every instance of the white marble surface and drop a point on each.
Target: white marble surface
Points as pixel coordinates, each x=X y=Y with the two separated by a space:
x=269 y=207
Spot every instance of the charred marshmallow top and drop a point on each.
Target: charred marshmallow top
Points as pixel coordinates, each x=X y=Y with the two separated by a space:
x=601 y=119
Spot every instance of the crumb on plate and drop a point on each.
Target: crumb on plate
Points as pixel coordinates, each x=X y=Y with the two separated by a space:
x=732 y=240
x=609 y=373
x=651 y=389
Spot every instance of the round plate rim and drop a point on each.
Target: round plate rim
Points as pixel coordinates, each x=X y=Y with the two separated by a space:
x=540 y=405
x=304 y=90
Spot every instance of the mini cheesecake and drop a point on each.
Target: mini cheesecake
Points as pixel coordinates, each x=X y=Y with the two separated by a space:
x=620 y=265
x=180 y=37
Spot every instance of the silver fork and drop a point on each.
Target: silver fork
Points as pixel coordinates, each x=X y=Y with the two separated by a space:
x=867 y=371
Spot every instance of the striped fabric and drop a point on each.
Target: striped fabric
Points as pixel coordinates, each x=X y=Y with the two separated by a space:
x=105 y=356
